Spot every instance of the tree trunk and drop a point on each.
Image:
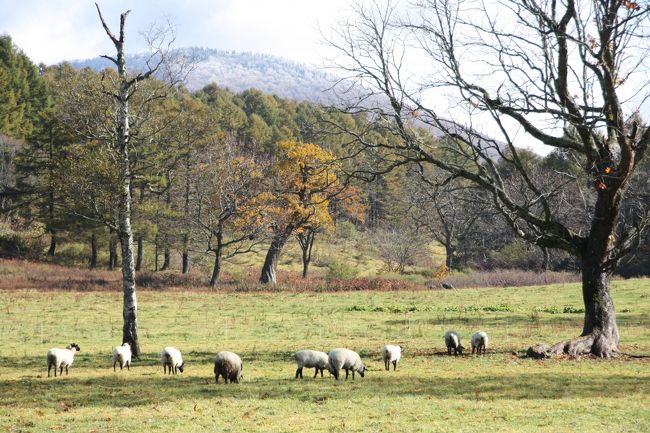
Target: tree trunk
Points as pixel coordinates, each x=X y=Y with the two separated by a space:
x=155 y=253
x=546 y=261
x=112 y=253
x=130 y=307
x=166 y=259
x=306 y=241
x=93 y=251
x=272 y=257
x=449 y=256
x=216 y=270
x=186 y=214
x=186 y=262
x=600 y=332
x=52 y=249
x=138 y=260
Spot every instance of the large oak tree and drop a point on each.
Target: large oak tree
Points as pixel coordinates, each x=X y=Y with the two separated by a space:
x=566 y=73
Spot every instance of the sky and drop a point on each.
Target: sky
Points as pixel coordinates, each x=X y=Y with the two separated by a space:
x=50 y=31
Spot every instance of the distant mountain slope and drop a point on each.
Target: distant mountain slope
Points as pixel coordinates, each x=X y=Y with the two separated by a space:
x=241 y=71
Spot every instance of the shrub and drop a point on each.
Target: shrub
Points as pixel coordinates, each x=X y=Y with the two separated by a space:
x=341 y=270
x=26 y=243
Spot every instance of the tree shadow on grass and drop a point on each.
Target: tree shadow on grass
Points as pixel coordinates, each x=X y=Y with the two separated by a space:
x=128 y=390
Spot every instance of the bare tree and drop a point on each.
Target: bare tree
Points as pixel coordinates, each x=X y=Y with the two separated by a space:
x=400 y=246
x=122 y=91
x=563 y=73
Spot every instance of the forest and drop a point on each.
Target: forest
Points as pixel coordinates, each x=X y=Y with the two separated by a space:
x=217 y=174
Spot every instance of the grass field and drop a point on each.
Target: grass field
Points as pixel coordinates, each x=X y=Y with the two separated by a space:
x=429 y=392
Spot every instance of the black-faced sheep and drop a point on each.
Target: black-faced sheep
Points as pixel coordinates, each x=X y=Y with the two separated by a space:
x=479 y=342
x=122 y=354
x=452 y=341
x=310 y=359
x=345 y=359
x=391 y=354
x=228 y=365
x=172 y=360
x=60 y=358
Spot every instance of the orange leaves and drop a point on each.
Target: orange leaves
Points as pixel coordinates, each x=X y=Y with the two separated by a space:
x=601 y=185
x=631 y=5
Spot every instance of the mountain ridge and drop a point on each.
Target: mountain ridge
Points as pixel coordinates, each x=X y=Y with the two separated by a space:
x=239 y=71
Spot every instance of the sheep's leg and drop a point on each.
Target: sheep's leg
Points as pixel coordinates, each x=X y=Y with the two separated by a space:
x=216 y=378
x=297 y=373
x=321 y=372
x=449 y=350
x=49 y=367
x=336 y=374
x=394 y=365
x=315 y=372
x=128 y=366
x=347 y=372
x=387 y=364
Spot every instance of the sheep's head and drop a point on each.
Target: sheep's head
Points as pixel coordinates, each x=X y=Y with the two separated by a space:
x=180 y=367
x=74 y=346
x=362 y=370
x=460 y=349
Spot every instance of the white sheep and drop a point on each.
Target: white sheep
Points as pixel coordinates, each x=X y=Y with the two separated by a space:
x=123 y=355
x=228 y=365
x=345 y=359
x=479 y=342
x=310 y=359
x=59 y=358
x=171 y=360
x=391 y=353
x=452 y=341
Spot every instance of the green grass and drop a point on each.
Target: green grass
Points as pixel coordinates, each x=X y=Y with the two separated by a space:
x=429 y=392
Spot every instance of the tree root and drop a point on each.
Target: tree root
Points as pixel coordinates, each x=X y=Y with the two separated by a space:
x=596 y=344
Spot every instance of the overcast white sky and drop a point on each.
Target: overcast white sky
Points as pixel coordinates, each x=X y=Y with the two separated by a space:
x=50 y=31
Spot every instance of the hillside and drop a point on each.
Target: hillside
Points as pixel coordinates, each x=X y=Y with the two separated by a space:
x=241 y=71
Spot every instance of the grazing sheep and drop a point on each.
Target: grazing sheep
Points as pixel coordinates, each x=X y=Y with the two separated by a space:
x=123 y=355
x=310 y=359
x=228 y=365
x=345 y=359
x=452 y=341
x=479 y=342
x=391 y=353
x=171 y=360
x=59 y=358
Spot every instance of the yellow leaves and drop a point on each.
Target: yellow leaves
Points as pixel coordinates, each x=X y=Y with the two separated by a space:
x=608 y=170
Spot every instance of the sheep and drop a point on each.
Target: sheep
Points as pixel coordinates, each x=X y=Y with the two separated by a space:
x=171 y=360
x=345 y=359
x=229 y=365
x=391 y=353
x=123 y=355
x=310 y=359
x=59 y=358
x=479 y=342
x=452 y=341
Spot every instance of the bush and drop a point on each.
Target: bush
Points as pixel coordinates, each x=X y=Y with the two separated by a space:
x=341 y=270
x=27 y=243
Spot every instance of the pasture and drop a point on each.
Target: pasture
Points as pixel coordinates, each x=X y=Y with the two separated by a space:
x=429 y=392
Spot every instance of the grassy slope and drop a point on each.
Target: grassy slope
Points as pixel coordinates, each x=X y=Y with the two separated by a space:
x=429 y=392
